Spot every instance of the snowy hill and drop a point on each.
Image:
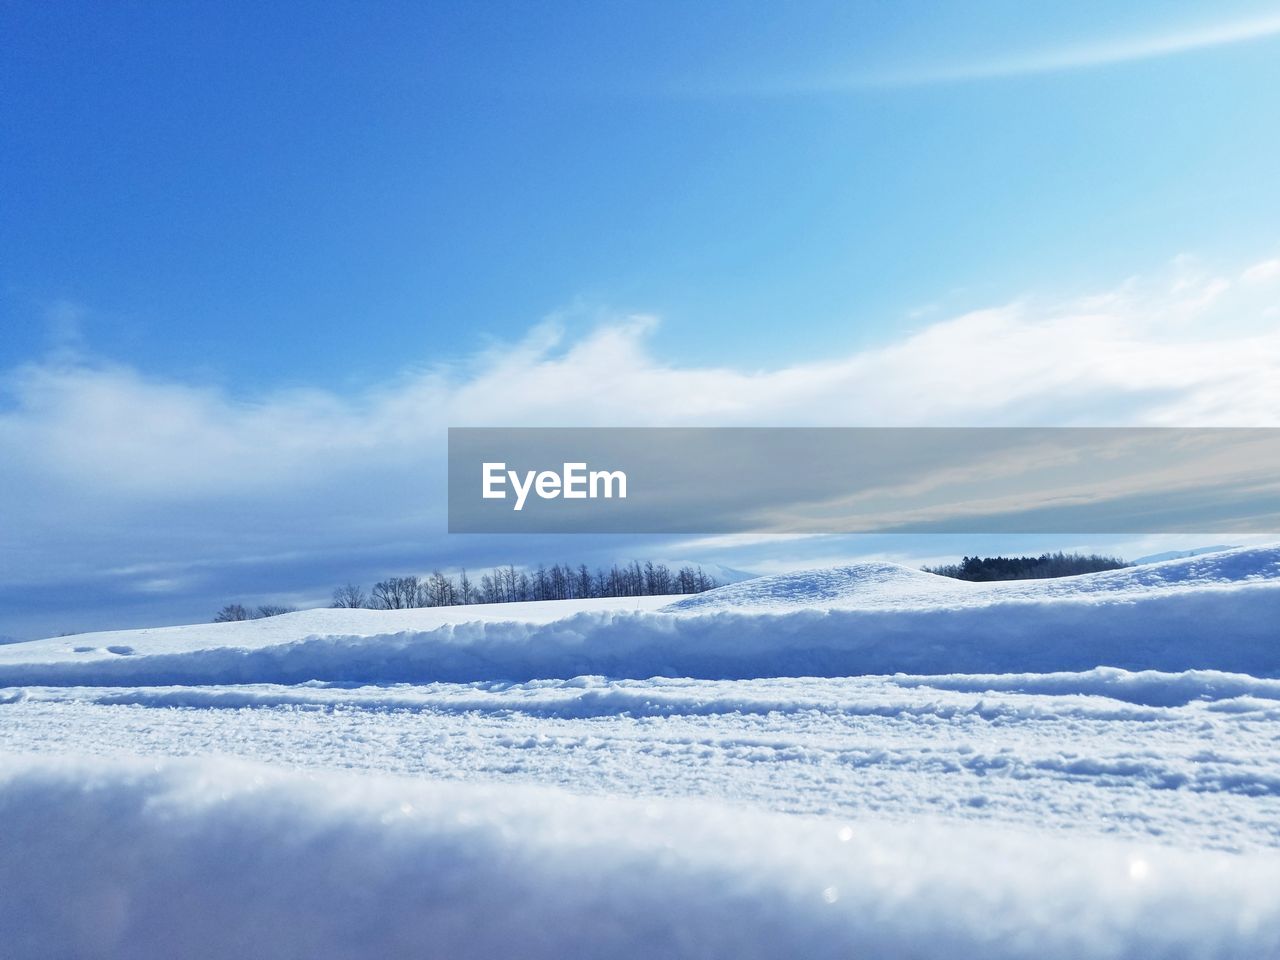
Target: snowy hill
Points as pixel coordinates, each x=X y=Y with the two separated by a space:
x=804 y=765
x=1183 y=554
x=857 y=586
x=875 y=584
x=323 y=621
x=1216 y=611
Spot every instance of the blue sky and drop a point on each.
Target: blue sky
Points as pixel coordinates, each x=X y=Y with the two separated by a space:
x=279 y=221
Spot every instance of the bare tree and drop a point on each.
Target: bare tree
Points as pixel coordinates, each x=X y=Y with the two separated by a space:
x=272 y=610
x=385 y=595
x=230 y=613
x=704 y=583
x=396 y=593
x=438 y=591
x=349 y=596
x=509 y=584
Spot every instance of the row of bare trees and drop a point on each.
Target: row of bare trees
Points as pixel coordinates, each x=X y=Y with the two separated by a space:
x=237 y=611
x=510 y=585
x=504 y=585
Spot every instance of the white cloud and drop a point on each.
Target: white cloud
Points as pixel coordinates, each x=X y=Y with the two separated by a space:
x=1186 y=351
x=129 y=479
x=1263 y=272
x=1079 y=56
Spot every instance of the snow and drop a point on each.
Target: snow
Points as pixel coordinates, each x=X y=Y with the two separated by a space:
x=288 y=627
x=214 y=859
x=876 y=585
x=1185 y=759
x=1179 y=554
x=865 y=760
x=1210 y=612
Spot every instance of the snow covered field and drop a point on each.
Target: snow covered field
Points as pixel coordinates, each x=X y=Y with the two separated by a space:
x=859 y=761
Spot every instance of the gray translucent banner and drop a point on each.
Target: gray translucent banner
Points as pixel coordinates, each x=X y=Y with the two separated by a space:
x=863 y=480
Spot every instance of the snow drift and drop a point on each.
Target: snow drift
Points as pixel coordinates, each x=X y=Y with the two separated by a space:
x=205 y=859
x=1218 y=612
x=878 y=584
x=1015 y=735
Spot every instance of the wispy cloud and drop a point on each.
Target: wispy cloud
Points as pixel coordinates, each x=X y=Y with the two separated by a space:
x=1080 y=56
x=107 y=470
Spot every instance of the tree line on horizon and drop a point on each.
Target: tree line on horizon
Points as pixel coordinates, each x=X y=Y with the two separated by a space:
x=238 y=611
x=1043 y=567
x=505 y=585
x=511 y=585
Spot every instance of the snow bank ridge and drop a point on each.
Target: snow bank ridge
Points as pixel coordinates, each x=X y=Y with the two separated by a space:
x=879 y=583
x=100 y=857
x=1216 y=612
